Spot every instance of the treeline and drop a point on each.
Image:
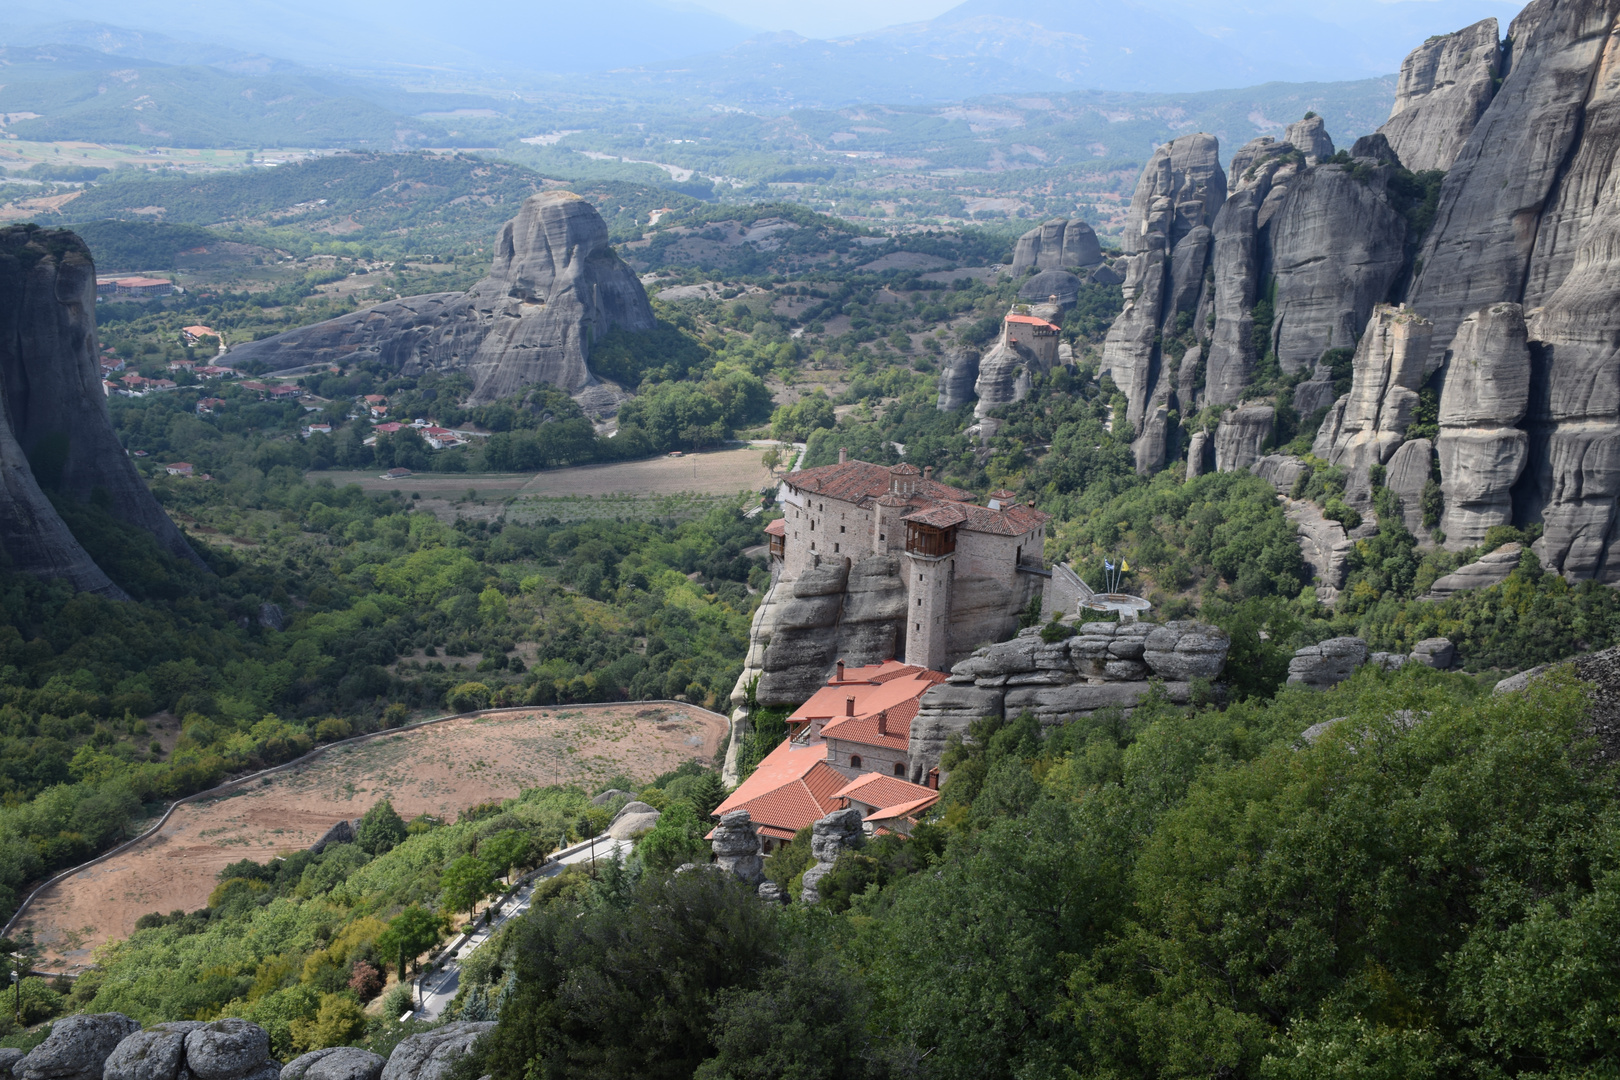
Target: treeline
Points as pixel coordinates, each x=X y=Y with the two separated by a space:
x=1177 y=893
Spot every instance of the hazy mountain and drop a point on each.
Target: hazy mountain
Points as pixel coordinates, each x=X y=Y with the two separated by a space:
x=416 y=35
x=997 y=46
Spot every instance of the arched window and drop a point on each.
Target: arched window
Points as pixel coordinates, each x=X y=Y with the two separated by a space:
x=854 y=761
x=900 y=768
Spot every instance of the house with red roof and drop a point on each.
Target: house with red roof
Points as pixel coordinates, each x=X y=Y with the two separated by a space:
x=969 y=568
x=851 y=733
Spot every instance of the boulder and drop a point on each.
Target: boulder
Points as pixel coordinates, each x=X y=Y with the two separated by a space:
x=227 y=1050
x=1316 y=731
x=1435 y=652
x=737 y=847
x=555 y=286
x=158 y=1053
x=1482 y=573
x=1281 y=470
x=1186 y=650
x=1325 y=665
x=334 y=1063
x=9 y=1056
x=1387 y=661
x=1444 y=88
x=343 y=832
x=958 y=372
x=1057 y=245
x=830 y=837
x=77 y=1047
x=607 y=797
x=634 y=819
x=772 y=893
x=1241 y=437
x=1377 y=147
x=432 y=1054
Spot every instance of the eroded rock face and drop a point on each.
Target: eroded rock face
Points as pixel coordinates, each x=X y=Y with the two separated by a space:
x=1057 y=245
x=1367 y=425
x=958 y=371
x=1057 y=287
x=1445 y=86
x=1406 y=475
x=1482 y=450
x=1241 y=437
x=432 y=1054
x=1006 y=374
x=227 y=1049
x=1167 y=242
x=1310 y=137
x=737 y=848
x=555 y=285
x=1323 y=303
x=334 y=1063
x=77 y=1048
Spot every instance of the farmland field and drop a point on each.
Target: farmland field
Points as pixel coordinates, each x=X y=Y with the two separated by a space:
x=441 y=769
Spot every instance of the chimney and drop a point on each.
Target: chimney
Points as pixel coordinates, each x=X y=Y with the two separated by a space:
x=883 y=722
x=928 y=472
x=849 y=706
x=843 y=454
x=840 y=671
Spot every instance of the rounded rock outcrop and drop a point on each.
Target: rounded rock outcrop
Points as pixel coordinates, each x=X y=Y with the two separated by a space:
x=227 y=1049
x=432 y=1054
x=1327 y=664
x=77 y=1048
x=158 y=1053
x=334 y=1063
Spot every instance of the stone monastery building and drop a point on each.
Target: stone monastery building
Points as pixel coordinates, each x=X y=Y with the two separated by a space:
x=966 y=566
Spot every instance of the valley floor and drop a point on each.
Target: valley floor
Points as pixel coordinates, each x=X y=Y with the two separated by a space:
x=440 y=770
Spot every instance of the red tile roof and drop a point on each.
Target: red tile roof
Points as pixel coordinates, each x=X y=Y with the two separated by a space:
x=904 y=810
x=1011 y=520
x=884 y=792
x=1031 y=320
x=793 y=787
x=856 y=481
x=777 y=527
x=890 y=690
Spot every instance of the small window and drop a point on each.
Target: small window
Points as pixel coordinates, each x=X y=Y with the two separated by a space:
x=835 y=549
x=840 y=528
x=919 y=601
x=854 y=761
x=900 y=768
x=812 y=545
x=882 y=536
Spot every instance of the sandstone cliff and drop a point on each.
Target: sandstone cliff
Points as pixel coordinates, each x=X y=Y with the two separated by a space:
x=1445 y=86
x=55 y=432
x=1167 y=242
x=1057 y=245
x=554 y=287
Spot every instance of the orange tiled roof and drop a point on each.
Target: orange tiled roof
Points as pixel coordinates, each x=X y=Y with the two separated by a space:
x=904 y=810
x=793 y=787
x=1031 y=320
x=1011 y=520
x=777 y=527
x=856 y=481
x=890 y=689
x=885 y=792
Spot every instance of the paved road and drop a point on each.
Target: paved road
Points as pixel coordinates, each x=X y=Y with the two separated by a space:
x=439 y=989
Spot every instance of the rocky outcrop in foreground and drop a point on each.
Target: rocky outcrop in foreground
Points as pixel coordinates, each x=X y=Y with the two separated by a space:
x=737 y=847
x=1488 y=570
x=1602 y=669
x=55 y=432
x=555 y=286
x=1106 y=665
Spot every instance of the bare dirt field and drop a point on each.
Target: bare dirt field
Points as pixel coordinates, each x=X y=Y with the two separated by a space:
x=710 y=472
x=441 y=769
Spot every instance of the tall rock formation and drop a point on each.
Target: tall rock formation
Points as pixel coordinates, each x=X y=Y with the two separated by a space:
x=1057 y=245
x=1482 y=451
x=52 y=375
x=1167 y=241
x=55 y=432
x=958 y=371
x=1509 y=210
x=1445 y=86
x=1367 y=425
x=554 y=287
x=1310 y=137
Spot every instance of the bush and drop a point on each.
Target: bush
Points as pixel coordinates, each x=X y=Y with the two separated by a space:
x=468 y=697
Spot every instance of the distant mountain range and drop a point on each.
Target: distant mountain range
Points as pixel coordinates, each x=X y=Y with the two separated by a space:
x=661 y=49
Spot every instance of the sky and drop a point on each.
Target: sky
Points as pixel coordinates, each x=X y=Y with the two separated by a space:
x=833 y=18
